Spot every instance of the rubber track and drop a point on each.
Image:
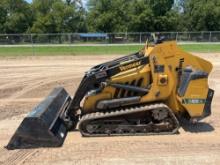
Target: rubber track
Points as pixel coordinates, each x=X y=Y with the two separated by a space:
x=130 y=110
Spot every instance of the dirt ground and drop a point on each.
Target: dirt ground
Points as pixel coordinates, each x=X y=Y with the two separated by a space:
x=24 y=82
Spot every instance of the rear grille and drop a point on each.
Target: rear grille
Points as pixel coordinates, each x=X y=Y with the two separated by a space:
x=120 y=93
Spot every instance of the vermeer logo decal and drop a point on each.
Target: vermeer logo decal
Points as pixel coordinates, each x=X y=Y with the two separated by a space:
x=130 y=66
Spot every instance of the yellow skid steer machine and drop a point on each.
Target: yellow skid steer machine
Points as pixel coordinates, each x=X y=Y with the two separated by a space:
x=145 y=93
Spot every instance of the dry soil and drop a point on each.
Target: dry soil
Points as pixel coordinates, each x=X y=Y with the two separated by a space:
x=25 y=81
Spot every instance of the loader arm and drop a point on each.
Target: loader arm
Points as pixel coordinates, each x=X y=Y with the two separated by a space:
x=100 y=73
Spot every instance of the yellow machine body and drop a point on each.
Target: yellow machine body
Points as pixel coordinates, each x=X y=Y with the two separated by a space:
x=162 y=78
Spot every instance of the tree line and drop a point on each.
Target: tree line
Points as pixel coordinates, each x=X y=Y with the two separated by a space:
x=68 y=16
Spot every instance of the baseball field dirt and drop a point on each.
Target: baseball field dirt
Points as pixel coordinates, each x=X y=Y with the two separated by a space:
x=25 y=81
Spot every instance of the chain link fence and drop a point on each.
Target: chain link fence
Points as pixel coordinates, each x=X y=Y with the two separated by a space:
x=105 y=38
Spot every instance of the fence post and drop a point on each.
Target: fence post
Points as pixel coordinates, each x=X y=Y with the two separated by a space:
x=210 y=36
x=140 y=38
x=177 y=37
x=69 y=38
x=32 y=45
x=202 y=34
x=189 y=36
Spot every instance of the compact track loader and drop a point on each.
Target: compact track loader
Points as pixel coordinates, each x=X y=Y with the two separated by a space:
x=145 y=93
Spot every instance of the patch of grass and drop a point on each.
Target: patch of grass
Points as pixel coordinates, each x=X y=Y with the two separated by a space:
x=94 y=50
x=201 y=48
x=68 y=50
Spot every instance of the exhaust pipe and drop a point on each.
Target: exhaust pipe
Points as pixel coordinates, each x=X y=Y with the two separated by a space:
x=44 y=126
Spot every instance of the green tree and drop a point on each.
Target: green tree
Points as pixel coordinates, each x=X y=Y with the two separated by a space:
x=150 y=15
x=60 y=16
x=133 y=15
x=161 y=7
x=202 y=15
x=108 y=16
x=3 y=15
x=166 y=18
x=15 y=16
x=142 y=17
x=56 y=16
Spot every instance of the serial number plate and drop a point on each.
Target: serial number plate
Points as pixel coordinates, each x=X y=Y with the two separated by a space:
x=193 y=101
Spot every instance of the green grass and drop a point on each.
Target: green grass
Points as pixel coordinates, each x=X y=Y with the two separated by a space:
x=94 y=50
x=201 y=48
x=68 y=50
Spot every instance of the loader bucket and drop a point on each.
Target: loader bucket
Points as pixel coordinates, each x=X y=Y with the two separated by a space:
x=43 y=127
